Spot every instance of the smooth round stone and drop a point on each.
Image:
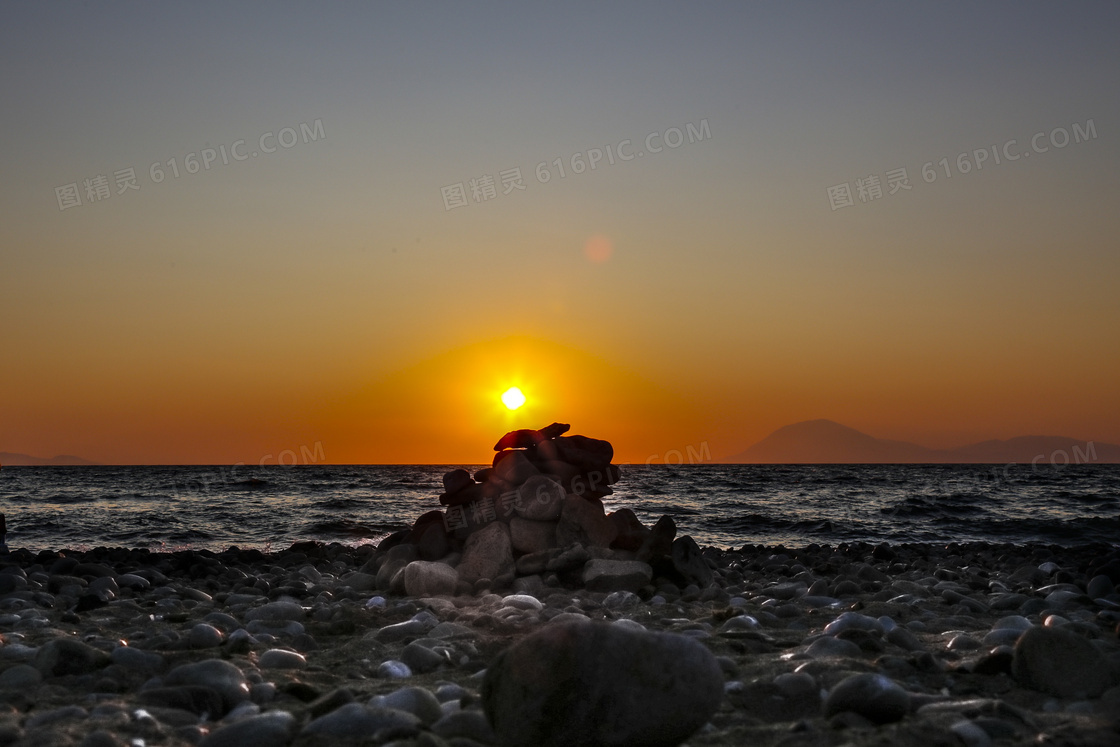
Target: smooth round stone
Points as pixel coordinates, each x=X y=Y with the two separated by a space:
x=827 y=647
x=358 y=721
x=873 y=696
x=418 y=701
x=739 y=622
x=593 y=683
x=469 y=724
x=621 y=600
x=277 y=611
x=275 y=627
x=205 y=636
x=523 y=602
x=450 y=691
x=796 y=685
x=55 y=715
x=272 y=729
x=18 y=652
x=1100 y=586
x=278 y=658
x=393 y=669
x=887 y=623
x=132 y=581
x=220 y=676
x=376 y=602
x=629 y=624
x=971 y=734
x=1002 y=637
x=1061 y=598
x=19 y=677
x=137 y=660
x=421 y=659
x=1054 y=621
x=1049 y=568
x=853 y=621
x=1012 y=622
x=1060 y=663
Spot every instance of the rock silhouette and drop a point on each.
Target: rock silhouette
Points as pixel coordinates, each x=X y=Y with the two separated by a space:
x=533 y=518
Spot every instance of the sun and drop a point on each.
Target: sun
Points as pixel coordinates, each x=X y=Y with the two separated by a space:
x=513 y=398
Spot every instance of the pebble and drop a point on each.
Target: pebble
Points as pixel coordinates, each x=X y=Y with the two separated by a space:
x=853 y=621
x=358 y=721
x=220 y=676
x=873 y=696
x=272 y=729
x=827 y=647
x=971 y=734
x=465 y=724
x=20 y=677
x=415 y=700
x=393 y=669
x=278 y=658
x=204 y=635
x=277 y=611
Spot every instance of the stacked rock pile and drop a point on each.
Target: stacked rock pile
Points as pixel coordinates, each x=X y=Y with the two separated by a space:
x=534 y=519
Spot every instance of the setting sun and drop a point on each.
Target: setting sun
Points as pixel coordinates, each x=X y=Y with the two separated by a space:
x=513 y=398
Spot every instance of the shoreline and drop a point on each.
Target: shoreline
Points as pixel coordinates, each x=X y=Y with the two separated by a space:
x=311 y=636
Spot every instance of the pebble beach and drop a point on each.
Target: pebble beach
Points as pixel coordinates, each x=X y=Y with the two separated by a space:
x=971 y=644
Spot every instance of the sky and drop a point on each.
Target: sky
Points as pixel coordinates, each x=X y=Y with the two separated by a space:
x=235 y=232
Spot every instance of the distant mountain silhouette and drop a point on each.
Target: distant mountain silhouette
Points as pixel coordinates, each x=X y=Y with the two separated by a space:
x=9 y=459
x=827 y=442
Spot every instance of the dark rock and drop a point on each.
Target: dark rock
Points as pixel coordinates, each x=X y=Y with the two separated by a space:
x=218 y=675
x=469 y=494
x=456 y=480
x=690 y=563
x=62 y=656
x=540 y=498
x=584 y=522
x=631 y=533
x=875 y=697
x=487 y=554
x=659 y=543
x=585 y=453
x=514 y=470
x=1061 y=663
x=597 y=684
x=199 y=700
x=616 y=575
x=271 y=729
x=423 y=578
x=532 y=536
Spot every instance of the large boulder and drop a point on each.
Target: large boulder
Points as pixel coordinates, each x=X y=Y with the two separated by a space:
x=659 y=542
x=631 y=532
x=597 y=684
x=585 y=453
x=1060 y=663
x=427 y=579
x=616 y=575
x=584 y=522
x=528 y=536
x=689 y=562
x=514 y=469
x=540 y=498
x=488 y=553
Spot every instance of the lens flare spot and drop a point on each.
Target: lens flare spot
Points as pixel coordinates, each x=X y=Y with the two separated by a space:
x=598 y=249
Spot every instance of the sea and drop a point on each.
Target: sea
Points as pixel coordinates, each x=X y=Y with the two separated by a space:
x=727 y=506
